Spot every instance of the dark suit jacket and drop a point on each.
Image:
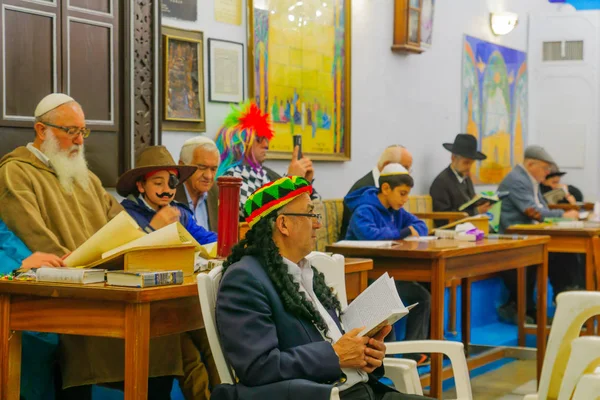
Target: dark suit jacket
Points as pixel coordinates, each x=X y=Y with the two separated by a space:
x=448 y=195
x=275 y=354
x=366 y=180
x=212 y=205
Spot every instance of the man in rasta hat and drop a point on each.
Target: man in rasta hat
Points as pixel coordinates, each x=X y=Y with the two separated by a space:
x=150 y=189
x=243 y=141
x=278 y=321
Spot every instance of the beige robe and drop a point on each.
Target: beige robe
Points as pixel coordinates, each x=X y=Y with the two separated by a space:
x=34 y=205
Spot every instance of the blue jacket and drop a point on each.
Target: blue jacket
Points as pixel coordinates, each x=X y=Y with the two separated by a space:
x=372 y=221
x=520 y=196
x=275 y=354
x=39 y=349
x=143 y=215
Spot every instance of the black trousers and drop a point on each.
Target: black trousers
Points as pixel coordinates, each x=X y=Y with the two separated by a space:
x=159 y=388
x=363 y=391
x=564 y=270
x=418 y=319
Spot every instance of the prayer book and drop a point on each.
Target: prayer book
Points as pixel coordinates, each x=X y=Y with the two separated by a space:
x=70 y=275
x=377 y=306
x=555 y=195
x=142 y=279
x=482 y=199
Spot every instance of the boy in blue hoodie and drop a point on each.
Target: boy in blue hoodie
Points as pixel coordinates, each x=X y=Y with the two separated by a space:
x=150 y=189
x=377 y=214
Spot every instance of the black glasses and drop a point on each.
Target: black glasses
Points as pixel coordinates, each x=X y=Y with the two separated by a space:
x=72 y=130
x=318 y=217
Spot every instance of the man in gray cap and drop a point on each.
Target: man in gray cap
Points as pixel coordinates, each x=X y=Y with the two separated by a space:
x=523 y=187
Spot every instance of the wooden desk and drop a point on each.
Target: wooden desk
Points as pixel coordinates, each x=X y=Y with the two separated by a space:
x=441 y=261
x=571 y=240
x=135 y=315
x=357 y=276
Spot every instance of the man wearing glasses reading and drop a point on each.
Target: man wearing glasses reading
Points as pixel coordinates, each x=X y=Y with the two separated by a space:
x=53 y=203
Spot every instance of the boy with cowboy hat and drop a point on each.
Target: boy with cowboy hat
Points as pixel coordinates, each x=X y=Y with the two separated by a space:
x=150 y=189
x=453 y=186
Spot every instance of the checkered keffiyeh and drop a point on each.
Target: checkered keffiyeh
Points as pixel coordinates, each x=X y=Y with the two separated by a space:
x=273 y=196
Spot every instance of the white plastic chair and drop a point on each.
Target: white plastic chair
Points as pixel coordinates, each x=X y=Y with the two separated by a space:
x=573 y=309
x=403 y=373
x=208 y=286
x=584 y=359
x=588 y=388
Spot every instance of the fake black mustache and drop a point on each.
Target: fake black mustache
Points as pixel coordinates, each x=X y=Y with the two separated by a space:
x=165 y=194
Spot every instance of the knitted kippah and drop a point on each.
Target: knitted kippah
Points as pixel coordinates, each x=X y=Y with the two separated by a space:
x=273 y=196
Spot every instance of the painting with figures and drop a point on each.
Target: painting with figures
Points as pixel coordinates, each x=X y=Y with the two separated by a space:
x=183 y=102
x=494 y=106
x=300 y=74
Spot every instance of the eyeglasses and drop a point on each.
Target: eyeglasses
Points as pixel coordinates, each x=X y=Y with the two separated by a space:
x=318 y=217
x=71 y=130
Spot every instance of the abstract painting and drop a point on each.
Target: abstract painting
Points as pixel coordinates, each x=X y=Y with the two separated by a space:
x=494 y=106
x=299 y=73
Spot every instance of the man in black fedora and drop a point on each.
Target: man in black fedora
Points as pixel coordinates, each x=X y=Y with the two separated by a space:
x=453 y=186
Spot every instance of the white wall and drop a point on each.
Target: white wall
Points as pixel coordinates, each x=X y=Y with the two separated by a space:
x=564 y=96
x=413 y=100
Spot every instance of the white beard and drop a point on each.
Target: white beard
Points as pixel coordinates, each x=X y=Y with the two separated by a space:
x=69 y=169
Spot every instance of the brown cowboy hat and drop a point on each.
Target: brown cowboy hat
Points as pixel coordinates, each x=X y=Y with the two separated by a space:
x=153 y=158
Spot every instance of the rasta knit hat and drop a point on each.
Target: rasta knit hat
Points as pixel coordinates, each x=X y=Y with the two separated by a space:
x=273 y=196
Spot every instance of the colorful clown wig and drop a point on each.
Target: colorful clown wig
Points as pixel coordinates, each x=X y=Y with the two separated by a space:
x=241 y=128
x=274 y=195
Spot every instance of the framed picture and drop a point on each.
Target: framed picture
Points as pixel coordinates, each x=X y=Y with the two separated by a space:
x=183 y=74
x=299 y=72
x=225 y=71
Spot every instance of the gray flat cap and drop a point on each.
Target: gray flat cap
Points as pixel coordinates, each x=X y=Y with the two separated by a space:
x=538 y=153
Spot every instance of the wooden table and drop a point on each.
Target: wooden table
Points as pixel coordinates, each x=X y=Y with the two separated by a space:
x=135 y=315
x=571 y=240
x=357 y=276
x=441 y=261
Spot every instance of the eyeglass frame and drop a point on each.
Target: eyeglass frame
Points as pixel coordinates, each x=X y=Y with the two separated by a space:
x=84 y=132
x=318 y=217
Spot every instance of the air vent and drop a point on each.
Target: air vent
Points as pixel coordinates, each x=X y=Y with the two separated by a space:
x=563 y=51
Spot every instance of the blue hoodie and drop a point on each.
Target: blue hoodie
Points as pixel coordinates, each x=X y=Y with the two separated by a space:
x=372 y=221
x=143 y=215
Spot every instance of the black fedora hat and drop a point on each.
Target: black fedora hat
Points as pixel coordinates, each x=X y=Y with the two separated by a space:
x=465 y=145
x=554 y=171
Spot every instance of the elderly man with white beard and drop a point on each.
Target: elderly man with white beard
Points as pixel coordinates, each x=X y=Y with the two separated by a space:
x=53 y=203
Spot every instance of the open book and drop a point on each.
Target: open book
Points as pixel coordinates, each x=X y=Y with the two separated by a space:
x=482 y=198
x=173 y=234
x=366 y=243
x=118 y=231
x=379 y=305
x=555 y=195
x=123 y=233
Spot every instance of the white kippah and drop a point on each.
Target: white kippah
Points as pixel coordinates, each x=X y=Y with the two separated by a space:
x=394 y=169
x=50 y=102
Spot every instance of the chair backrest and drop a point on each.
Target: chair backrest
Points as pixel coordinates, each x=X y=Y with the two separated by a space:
x=584 y=359
x=573 y=309
x=208 y=286
x=333 y=267
x=588 y=388
x=332 y=211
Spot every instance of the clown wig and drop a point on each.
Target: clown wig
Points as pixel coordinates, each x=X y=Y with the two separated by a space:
x=241 y=128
